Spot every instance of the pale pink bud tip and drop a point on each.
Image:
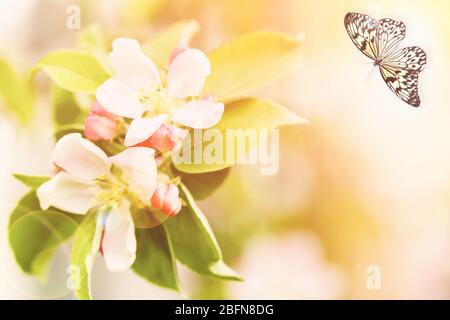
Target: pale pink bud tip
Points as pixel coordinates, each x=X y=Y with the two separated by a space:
x=97 y=109
x=100 y=124
x=166 y=198
x=176 y=52
x=166 y=138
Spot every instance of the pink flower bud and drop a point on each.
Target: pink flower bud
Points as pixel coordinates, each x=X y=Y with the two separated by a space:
x=176 y=52
x=166 y=198
x=100 y=124
x=166 y=138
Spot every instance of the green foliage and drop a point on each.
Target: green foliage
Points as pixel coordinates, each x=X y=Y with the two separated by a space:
x=202 y=185
x=237 y=68
x=36 y=236
x=15 y=92
x=61 y=131
x=251 y=61
x=66 y=110
x=242 y=114
x=93 y=40
x=32 y=182
x=28 y=223
x=194 y=243
x=73 y=70
x=84 y=249
x=155 y=260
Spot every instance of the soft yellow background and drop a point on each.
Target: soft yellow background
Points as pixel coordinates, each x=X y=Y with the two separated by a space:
x=367 y=183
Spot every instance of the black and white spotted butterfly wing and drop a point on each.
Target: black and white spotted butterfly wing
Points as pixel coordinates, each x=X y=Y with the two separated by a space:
x=400 y=71
x=410 y=58
x=379 y=41
x=363 y=29
x=403 y=82
x=390 y=33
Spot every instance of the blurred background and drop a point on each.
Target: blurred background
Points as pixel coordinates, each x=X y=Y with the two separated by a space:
x=365 y=187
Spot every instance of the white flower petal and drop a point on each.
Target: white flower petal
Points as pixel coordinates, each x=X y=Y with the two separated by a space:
x=140 y=165
x=187 y=73
x=80 y=157
x=66 y=193
x=141 y=129
x=131 y=66
x=199 y=114
x=119 y=99
x=119 y=242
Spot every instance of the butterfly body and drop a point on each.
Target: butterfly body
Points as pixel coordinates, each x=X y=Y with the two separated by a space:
x=378 y=62
x=379 y=40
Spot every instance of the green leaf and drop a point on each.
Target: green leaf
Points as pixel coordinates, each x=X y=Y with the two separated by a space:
x=162 y=44
x=111 y=148
x=66 y=110
x=27 y=204
x=242 y=114
x=202 y=185
x=73 y=70
x=194 y=243
x=35 y=236
x=15 y=92
x=155 y=260
x=93 y=39
x=86 y=238
x=31 y=181
x=257 y=113
x=68 y=128
x=251 y=61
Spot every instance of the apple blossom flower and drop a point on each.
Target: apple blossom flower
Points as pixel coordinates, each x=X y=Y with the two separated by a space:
x=166 y=198
x=100 y=124
x=91 y=180
x=139 y=91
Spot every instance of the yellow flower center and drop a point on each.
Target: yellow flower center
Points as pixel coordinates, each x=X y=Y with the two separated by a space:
x=157 y=102
x=113 y=188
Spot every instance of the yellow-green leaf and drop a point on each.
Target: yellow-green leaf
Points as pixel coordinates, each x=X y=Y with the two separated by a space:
x=32 y=182
x=194 y=243
x=73 y=70
x=202 y=185
x=66 y=110
x=239 y=115
x=28 y=223
x=86 y=238
x=250 y=62
x=159 y=47
x=93 y=39
x=15 y=91
x=35 y=236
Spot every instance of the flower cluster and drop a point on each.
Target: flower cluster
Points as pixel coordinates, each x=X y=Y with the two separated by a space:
x=149 y=111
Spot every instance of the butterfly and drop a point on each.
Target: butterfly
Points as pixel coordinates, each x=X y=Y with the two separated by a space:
x=379 y=40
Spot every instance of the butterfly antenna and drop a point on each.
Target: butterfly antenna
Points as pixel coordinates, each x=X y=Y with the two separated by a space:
x=370 y=73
